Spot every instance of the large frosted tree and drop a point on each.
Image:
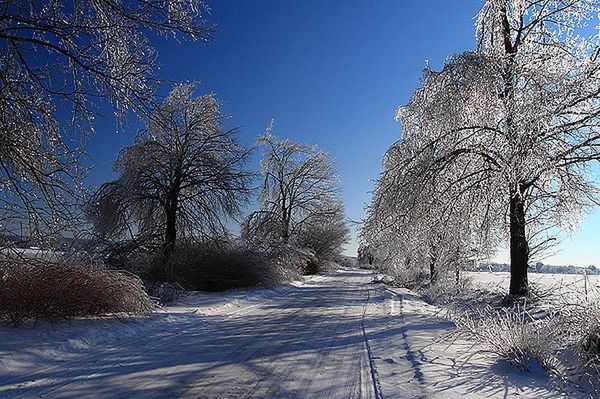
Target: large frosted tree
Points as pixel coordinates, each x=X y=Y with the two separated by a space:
x=420 y=223
x=183 y=174
x=548 y=113
x=515 y=123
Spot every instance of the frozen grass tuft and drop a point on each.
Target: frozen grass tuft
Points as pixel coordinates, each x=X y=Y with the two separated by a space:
x=512 y=335
x=581 y=315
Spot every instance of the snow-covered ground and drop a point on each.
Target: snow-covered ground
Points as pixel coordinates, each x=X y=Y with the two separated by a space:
x=546 y=284
x=334 y=336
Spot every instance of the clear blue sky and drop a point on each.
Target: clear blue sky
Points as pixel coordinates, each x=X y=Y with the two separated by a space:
x=330 y=73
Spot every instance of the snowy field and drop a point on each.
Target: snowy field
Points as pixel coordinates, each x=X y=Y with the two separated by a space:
x=334 y=336
x=553 y=286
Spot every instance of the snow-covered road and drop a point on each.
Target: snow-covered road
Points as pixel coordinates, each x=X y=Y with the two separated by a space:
x=332 y=337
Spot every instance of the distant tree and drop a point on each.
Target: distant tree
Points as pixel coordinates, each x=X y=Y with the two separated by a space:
x=365 y=255
x=57 y=56
x=299 y=187
x=325 y=233
x=182 y=175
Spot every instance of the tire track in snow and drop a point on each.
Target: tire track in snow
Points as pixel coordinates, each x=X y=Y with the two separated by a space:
x=372 y=365
x=410 y=354
x=273 y=373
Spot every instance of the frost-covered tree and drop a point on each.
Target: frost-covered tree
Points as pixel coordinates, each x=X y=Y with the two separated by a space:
x=300 y=185
x=57 y=56
x=515 y=124
x=365 y=255
x=325 y=232
x=419 y=225
x=548 y=113
x=182 y=175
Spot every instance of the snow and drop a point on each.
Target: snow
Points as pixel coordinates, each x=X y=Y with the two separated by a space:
x=333 y=336
x=565 y=285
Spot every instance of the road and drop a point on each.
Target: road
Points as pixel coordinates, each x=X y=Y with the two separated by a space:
x=309 y=342
x=336 y=336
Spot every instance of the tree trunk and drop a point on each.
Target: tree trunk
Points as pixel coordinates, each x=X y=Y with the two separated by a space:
x=432 y=271
x=432 y=263
x=519 y=249
x=170 y=230
x=170 y=236
x=285 y=224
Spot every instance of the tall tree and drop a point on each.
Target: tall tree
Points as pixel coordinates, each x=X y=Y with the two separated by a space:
x=517 y=122
x=548 y=101
x=182 y=175
x=57 y=56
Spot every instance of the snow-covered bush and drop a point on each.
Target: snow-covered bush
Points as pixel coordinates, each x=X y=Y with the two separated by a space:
x=448 y=289
x=401 y=275
x=512 y=335
x=325 y=235
x=165 y=292
x=291 y=260
x=64 y=289
x=581 y=315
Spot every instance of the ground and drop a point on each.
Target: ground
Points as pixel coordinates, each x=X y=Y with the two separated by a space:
x=333 y=336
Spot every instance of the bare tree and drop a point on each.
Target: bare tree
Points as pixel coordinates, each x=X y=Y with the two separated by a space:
x=182 y=175
x=515 y=125
x=72 y=55
x=300 y=184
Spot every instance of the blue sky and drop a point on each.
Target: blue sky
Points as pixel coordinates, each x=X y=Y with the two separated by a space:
x=330 y=73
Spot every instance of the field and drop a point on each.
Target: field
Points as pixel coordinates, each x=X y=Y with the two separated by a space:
x=551 y=286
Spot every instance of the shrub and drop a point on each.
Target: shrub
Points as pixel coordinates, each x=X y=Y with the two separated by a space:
x=220 y=265
x=293 y=261
x=411 y=278
x=582 y=322
x=447 y=290
x=165 y=292
x=514 y=336
x=63 y=289
x=216 y=264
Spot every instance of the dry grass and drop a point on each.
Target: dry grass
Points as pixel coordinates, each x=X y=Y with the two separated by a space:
x=62 y=289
